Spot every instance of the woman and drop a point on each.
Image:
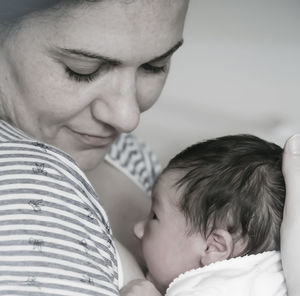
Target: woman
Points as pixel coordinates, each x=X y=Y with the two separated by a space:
x=76 y=75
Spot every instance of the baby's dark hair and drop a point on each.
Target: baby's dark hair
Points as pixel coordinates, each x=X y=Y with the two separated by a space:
x=236 y=183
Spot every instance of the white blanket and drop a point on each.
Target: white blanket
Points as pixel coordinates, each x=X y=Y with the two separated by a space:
x=253 y=275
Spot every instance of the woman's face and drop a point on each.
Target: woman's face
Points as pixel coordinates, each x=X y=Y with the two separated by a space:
x=76 y=78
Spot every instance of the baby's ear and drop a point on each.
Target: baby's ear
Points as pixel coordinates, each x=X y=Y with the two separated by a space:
x=219 y=247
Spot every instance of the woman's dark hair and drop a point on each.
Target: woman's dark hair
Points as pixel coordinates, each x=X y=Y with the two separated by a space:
x=11 y=11
x=234 y=182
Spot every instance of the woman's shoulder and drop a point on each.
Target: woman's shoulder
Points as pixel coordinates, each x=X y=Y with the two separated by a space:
x=23 y=157
x=10 y=133
x=135 y=159
x=18 y=144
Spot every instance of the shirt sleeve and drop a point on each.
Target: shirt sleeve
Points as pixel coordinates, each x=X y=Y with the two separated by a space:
x=55 y=238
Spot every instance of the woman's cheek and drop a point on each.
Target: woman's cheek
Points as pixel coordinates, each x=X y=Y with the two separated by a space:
x=149 y=90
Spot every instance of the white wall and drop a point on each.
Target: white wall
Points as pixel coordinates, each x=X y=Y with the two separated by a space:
x=238 y=72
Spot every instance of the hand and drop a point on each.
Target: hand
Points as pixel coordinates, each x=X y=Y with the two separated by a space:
x=290 y=227
x=139 y=287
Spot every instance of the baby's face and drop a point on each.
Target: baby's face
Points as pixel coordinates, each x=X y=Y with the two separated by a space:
x=167 y=246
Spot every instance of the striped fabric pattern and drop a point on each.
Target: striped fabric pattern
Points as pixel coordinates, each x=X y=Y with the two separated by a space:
x=135 y=160
x=55 y=238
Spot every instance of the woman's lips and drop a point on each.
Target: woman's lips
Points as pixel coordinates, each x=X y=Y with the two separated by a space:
x=93 y=141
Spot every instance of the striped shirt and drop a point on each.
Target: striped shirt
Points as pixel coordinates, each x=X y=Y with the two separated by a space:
x=55 y=238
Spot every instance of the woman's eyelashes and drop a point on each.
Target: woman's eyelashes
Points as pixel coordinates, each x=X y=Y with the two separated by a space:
x=79 y=76
x=89 y=77
x=155 y=69
x=85 y=75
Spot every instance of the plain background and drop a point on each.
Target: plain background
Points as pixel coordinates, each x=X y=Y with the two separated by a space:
x=238 y=72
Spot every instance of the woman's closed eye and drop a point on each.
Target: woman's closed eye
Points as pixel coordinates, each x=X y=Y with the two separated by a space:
x=88 y=77
x=81 y=77
x=86 y=74
x=155 y=69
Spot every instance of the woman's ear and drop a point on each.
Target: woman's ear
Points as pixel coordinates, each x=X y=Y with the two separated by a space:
x=219 y=247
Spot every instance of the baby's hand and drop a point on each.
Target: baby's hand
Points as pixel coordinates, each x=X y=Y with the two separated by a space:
x=139 y=287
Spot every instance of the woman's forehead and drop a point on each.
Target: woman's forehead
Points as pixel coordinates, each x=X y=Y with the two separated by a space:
x=139 y=13
x=114 y=28
x=15 y=11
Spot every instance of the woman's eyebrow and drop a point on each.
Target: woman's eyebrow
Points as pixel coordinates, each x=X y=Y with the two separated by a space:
x=87 y=54
x=91 y=55
x=168 y=53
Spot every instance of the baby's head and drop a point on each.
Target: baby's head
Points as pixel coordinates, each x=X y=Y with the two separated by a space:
x=215 y=200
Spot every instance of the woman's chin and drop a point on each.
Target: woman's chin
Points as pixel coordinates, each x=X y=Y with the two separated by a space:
x=89 y=160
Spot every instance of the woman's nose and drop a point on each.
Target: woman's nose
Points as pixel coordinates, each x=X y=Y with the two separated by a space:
x=138 y=229
x=117 y=103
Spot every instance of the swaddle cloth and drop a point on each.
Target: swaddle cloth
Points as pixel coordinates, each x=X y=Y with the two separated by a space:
x=252 y=275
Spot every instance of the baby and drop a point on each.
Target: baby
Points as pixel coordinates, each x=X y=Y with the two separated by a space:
x=215 y=220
